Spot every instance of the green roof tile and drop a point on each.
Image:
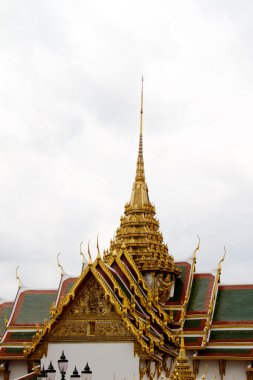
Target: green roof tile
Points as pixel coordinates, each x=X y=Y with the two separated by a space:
x=14 y=350
x=234 y=305
x=20 y=336
x=192 y=340
x=33 y=308
x=5 y=312
x=193 y=323
x=179 y=283
x=199 y=293
x=233 y=335
x=225 y=351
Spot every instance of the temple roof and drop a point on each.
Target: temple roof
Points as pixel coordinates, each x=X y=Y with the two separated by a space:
x=30 y=310
x=201 y=293
x=31 y=307
x=65 y=285
x=5 y=311
x=126 y=289
x=234 y=305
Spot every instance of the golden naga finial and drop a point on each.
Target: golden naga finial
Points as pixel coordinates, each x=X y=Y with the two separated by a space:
x=90 y=259
x=98 y=255
x=222 y=259
x=197 y=248
x=20 y=285
x=60 y=266
x=84 y=261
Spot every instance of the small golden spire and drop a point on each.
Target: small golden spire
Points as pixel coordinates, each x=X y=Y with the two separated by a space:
x=182 y=346
x=140 y=176
x=20 y=285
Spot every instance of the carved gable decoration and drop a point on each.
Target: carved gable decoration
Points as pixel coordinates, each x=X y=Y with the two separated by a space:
x=91 y=302
x=90 y=317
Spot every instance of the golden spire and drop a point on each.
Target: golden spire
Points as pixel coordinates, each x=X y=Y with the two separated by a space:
x=140 y=176
x=139 y=228
x=182 y=347
x=182 y=369
x=139 y=196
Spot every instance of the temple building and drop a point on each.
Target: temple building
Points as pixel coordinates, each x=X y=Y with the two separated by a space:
x=133 y=313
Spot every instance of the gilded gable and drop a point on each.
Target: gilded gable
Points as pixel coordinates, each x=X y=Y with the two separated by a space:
x=90 y=317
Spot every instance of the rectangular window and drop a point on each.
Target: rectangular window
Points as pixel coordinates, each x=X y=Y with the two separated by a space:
x=91 y=328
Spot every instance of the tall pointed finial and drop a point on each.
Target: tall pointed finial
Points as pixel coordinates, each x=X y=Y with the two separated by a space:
x=140 y=176
x=197 y=248
x=84 y=261
x=141 y=112
x=20 y=285
x=60 y=266
x=98 y=255
x=222 y=259
x=90 y=259
x=182 y=346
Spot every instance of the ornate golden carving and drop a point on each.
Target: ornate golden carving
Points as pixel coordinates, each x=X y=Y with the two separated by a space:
x=111 y=328
x=91 y=302
x=70 y=329
x=164 y=287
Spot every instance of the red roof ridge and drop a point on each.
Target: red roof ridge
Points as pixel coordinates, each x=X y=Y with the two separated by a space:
x=233 y=285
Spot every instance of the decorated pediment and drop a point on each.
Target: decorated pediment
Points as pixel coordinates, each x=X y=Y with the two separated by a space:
x=90 y=317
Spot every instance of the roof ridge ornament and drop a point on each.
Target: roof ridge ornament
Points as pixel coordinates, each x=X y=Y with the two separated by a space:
x=98 y=254
x=63 y=273
x=222 y=259
x=20 y=285
x=196 y=249
x=84 y=261
x=90 y=259
x=220 y=262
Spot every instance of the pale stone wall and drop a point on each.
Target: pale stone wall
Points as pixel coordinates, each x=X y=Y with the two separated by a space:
x=235 y=369
x=17 y=368
x=108 y=361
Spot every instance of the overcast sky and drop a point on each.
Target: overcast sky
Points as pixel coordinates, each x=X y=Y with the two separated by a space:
x=69 y=116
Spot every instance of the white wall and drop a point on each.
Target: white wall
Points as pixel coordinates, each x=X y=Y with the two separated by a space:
x=235 y=369
x=108 y=361
x=17 y=368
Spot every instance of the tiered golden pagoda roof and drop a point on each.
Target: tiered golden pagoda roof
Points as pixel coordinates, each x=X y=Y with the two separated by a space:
x=182 y=369
x=139 y=228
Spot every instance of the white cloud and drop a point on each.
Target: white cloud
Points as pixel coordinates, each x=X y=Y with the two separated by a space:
x=69 y=102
